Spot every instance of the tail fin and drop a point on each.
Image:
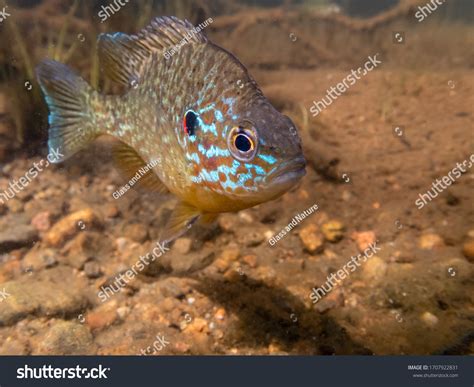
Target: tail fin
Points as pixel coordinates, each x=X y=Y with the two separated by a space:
x=71 y=117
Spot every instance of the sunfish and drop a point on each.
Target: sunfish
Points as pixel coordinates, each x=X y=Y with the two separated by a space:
x=196 y=116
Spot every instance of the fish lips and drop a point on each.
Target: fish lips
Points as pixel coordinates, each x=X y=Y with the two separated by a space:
x=289 y=173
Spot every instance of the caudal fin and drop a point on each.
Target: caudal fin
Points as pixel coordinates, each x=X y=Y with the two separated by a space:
x=71 y=117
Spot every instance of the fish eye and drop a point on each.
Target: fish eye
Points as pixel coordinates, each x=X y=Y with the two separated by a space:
x=242 y=143
x=190 y=122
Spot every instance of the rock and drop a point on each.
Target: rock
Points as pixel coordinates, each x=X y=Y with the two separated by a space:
x=275 y=349
x=331 y=300
x=430 y=241
x=111 y=211
x=37 y=259
x=55 y=294
x=363 y=239
x=173 y=287
x=250 y=260
x=182 y=246
x=17 y=236
x=67 y=338
x=312 y=240
x=42 y=221
x=182 y=347
x=136 y=232
x=192 y=262
x=221 y=264
x=227 y=222
x=429 y=319
x=92 y=269
x=468 y=250
x=121 y=244
x=266 y=274
x=15 y=205
x=346 y=195
x=71 y=225
x=251 y=238
x=220 y=314
x=197 y=326
x=333 y=231
x=82 y=248
x=102 y=317
x=123 y=312
x=11 y=346
x=10 y=269
x=230 y=254
x=245 y=217
x=374 y=269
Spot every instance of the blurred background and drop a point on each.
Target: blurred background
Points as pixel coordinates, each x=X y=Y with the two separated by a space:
x=224 y=289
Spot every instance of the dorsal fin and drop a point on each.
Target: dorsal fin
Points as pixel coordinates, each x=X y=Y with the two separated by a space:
x=136 y=170
x=122 y=56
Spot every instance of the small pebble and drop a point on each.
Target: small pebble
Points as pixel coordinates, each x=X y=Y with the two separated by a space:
x=429 y=319
x=468 y=250
x=42 y=221
x=311 y=238
x=220 y=314
x=333 y=231
x=250 y=260
x=92 y=269
x=182 y=246
x=363 y=239
x=136 y=232
x=430 y=241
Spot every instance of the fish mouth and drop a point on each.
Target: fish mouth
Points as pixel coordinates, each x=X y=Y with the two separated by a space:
x=291 y=172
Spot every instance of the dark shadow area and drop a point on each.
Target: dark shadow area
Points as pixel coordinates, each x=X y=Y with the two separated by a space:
x=273 y=315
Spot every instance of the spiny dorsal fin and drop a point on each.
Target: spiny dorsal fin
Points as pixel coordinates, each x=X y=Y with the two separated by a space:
x=132 y=165
x=182 y=218
x=122 y=56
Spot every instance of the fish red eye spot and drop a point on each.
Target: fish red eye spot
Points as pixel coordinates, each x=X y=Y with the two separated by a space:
x=190 y=123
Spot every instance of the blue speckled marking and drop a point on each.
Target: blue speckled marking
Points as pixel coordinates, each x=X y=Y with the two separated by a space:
x=205 y=109
x=218 y=115
x=243 y=177
x=207 y=128
x=213 y=151
x=193 y=156
x=268 y=158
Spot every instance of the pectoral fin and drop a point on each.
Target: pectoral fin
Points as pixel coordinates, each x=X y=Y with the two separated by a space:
x=135 y=169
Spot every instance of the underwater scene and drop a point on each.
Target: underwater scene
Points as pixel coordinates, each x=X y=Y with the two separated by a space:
x=216 y=177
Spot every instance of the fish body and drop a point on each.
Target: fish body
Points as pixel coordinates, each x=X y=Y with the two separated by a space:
x=215 y=140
